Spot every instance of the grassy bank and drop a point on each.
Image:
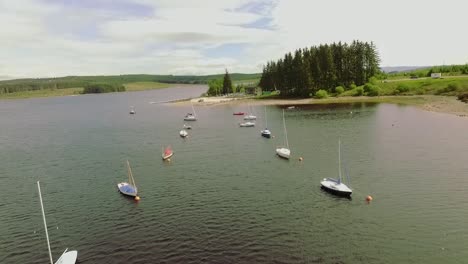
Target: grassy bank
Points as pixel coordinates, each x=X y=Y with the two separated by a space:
x=42 y=93
x=140 y=86
x=136 y=86
x=453 y=85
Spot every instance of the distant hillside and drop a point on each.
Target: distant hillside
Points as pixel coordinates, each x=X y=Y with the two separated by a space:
x=9 y=86
x=402 y=68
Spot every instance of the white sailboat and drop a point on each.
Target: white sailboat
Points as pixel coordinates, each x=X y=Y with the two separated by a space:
x=183 y=133
x=284 y=152
x=68 y=257
x=250 y=116
x=337 y=186
x=266 y=132
x=132 y=110
x=191 y=116
x=247 y=124
x=129 y=188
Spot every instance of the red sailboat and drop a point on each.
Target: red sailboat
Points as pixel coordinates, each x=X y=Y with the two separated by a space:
x=167 y=153
x=239 y=113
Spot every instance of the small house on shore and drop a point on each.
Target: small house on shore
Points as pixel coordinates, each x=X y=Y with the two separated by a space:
x=436 y=75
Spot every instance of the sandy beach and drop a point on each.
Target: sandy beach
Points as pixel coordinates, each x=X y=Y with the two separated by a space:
x=442 y=104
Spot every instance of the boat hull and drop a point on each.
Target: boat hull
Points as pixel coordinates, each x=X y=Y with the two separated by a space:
x=239 y=113
x=126 y=189
x=165 y=157
x=190 y=118
x=183 y=133
x=334 y=187
x=283 y=153
x=68 y=257
x=248 y=124
x=250 y=117
x=266 y=133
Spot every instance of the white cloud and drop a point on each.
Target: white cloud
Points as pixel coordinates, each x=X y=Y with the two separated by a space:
x=42 y=39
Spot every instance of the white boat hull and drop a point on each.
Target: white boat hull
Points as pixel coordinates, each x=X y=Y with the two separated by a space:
x=165 y=157
x=247 y=124
x=334 y=186
x=250 y=117
x=122 y=188
x=283 y=152
x=183 y=133
x=190 y=118
x=68 y=257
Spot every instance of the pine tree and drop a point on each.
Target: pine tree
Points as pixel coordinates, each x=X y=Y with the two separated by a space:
x=227 y=83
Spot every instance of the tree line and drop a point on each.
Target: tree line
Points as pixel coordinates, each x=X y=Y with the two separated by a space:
x=327 y=66
x=19 y=85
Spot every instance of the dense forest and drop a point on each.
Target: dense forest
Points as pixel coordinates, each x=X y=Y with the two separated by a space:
x=103 y=88
x=325 y=67
x=11 y=86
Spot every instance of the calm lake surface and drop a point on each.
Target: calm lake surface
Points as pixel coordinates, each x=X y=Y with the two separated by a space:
x=225 y=197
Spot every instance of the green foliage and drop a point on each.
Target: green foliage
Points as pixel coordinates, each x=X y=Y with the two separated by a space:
x=103 y=88
x=352 y=86
x=227 y=84
x=215 y=87
x=320 y=94
x=339 y=90
x=374 y=90
x=373 y=80
x=18 y=85
x=402 y=88
x=446 y=70
x=449 y=89
x=321 y=67
x=358 y=91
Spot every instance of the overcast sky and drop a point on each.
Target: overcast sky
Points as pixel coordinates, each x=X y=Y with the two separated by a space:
x=47 y=38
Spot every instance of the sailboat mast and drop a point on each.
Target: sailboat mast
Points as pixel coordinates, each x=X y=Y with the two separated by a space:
x=285 y=132
x=130 y=175
x=193 y=109
x=45 y=223
x=266 y=120
x=339 y=158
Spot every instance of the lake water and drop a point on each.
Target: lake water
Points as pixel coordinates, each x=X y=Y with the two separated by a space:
x=225 y=197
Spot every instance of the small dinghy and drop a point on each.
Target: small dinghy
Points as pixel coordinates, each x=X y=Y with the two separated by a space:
x=167 y=153
x=183 y=133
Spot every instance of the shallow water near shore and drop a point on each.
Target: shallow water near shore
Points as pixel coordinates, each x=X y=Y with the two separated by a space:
x=225 y=197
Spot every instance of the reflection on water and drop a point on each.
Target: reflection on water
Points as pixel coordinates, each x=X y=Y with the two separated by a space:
x=225 y=197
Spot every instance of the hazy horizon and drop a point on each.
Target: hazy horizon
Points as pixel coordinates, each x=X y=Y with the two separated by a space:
x=54 y=38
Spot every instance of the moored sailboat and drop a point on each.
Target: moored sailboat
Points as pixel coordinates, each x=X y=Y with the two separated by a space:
x=191 y=116
x=284 y=152
x=336 y=186
x=167 y=153
x=129 y=188
x=266 y=132
x=67 y=257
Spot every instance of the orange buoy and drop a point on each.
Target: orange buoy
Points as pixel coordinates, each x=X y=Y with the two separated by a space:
x=301 y=159
x=137 y=198
x=369 y=198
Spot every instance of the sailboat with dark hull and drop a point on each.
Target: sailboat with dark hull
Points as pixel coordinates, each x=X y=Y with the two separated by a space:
x=266 y=132
x=336 y=186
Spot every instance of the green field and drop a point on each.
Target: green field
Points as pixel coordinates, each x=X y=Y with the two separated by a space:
x=140 y=86
x=42 y=93
x=453 y=85
x=136 y=86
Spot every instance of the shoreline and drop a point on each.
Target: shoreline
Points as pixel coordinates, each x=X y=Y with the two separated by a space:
x=432 y=103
